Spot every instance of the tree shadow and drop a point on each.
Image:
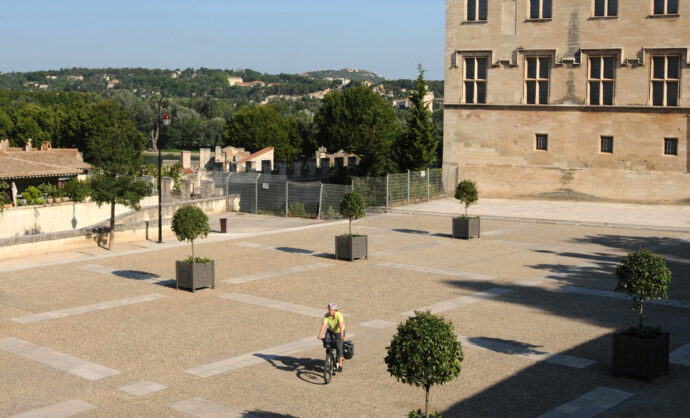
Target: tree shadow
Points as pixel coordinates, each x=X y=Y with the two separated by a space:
x=266 y=414
x=293 y=250
x=500 y=345
x=598 y=269
x=307 y=369
x=544 y=385
x=135 y=274
x=422 y=232
x=144 y=276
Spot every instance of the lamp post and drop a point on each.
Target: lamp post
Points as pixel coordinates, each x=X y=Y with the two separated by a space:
x=166 y=122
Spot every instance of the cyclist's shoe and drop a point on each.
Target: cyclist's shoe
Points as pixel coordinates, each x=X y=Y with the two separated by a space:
x=340 y=369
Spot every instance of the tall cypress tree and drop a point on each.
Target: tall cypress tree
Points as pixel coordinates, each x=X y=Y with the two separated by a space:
x=416 y=148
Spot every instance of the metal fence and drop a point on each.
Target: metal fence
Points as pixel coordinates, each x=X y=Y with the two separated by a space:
x=274 y=194
x=403 y=188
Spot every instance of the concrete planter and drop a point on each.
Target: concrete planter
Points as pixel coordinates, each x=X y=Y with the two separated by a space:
x=640 y=357
x=465 y=228
x=351 y=247
x=195 y=276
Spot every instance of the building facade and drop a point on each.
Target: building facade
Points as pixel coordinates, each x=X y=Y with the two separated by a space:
x=584 y=99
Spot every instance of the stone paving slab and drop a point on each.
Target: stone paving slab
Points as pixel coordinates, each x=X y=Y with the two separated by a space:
x=158 y=341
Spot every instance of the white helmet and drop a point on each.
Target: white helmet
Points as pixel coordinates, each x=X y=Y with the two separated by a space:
x=333 y=306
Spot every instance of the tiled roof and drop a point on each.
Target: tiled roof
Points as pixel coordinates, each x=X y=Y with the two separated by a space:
x=256 y=154
x=16 y=163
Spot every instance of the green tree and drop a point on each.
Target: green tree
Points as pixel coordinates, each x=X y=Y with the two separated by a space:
x=416 y=148
x=255 y=127
x=424 y=352
x=189 y=223
x=466 y=192
x=352 y=206
x=76 y=190
x=5 y=197
x=360 y=122
x=643 y=275
x=6 y=125
x=115 y=150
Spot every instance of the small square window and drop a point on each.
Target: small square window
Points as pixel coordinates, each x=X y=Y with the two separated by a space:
x=607 y=144
x=670 y=146
x=542 y=142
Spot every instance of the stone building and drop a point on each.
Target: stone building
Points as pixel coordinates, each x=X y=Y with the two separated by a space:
x=585 y=99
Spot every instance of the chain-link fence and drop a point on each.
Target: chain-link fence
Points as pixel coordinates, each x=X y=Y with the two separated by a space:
x=273 y=194
x=403 y=188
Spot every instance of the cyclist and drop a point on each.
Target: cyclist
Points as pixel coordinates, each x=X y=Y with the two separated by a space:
x=334 y=327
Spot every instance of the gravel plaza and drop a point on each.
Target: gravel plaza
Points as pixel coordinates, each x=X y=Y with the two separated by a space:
x=89 y=332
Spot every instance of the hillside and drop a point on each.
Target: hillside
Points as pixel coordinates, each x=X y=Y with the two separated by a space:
x=346 y=73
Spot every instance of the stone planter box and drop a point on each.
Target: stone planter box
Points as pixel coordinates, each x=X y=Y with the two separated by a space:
x=465 y=228
x=351 y=247
x=640 y=357
x=195 y=276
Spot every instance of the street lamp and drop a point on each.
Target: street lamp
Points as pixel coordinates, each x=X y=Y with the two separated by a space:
x=166 y=122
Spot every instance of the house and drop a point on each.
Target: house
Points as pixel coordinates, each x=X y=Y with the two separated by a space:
x=577 y=99
x=29 y=166
x=112 y=83
x=261 y=160
x=324 y=160
x=233 y=81
x=251 y=84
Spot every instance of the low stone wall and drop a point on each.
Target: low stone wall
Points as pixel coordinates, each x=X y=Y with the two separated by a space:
x=69 y=216
x=127 y=220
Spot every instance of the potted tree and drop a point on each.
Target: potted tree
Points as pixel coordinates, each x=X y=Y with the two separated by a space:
x=350 y=246
x=188 y=223
x=464 y=226
x=424 y=352
x=642 y=351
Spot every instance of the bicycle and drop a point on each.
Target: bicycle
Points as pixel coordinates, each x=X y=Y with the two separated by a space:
x=330 y=365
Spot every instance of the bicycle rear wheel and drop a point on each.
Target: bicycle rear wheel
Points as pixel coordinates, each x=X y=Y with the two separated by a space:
x=328 y=368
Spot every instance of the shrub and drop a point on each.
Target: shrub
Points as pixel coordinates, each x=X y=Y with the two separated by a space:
x=5 y=197
x=188 y=223
x=466 y=192
x=352 y=206
x=424 y=352
x=48 y=190
x=33 y=196
x=76 y=190
x=643 y=275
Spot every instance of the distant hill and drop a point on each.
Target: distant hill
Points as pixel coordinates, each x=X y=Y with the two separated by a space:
x=348 y=73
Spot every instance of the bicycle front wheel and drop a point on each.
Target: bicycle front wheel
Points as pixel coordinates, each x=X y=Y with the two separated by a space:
x=328 y=368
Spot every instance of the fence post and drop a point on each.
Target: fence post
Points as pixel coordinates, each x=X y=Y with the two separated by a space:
x=387 y=191
x=408 y=187
x=318 y=215
x=256 y=195
x=428 y=184
x=287 y=185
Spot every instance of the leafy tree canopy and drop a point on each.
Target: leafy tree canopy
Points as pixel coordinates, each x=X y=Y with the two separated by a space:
x=424 y=352
x=360 y=122
x=416 y=148
x=256 y=127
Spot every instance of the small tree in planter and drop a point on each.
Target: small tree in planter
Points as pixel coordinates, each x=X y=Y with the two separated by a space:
x=351 y=246
x=642 y=351
x=464 y=226
x=189 y=223
x=424 y=352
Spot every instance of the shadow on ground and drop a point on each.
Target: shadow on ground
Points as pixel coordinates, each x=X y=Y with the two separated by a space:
x=308 y=369
x=544 y=386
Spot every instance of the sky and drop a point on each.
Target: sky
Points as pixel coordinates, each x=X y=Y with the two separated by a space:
x=388 y=37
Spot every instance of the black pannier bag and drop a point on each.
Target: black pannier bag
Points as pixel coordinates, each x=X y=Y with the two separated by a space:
x=348 y=349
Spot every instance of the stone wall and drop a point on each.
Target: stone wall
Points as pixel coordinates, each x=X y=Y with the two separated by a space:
x=495 y=142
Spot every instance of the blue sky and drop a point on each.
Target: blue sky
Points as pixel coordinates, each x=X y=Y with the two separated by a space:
x=389 y=37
